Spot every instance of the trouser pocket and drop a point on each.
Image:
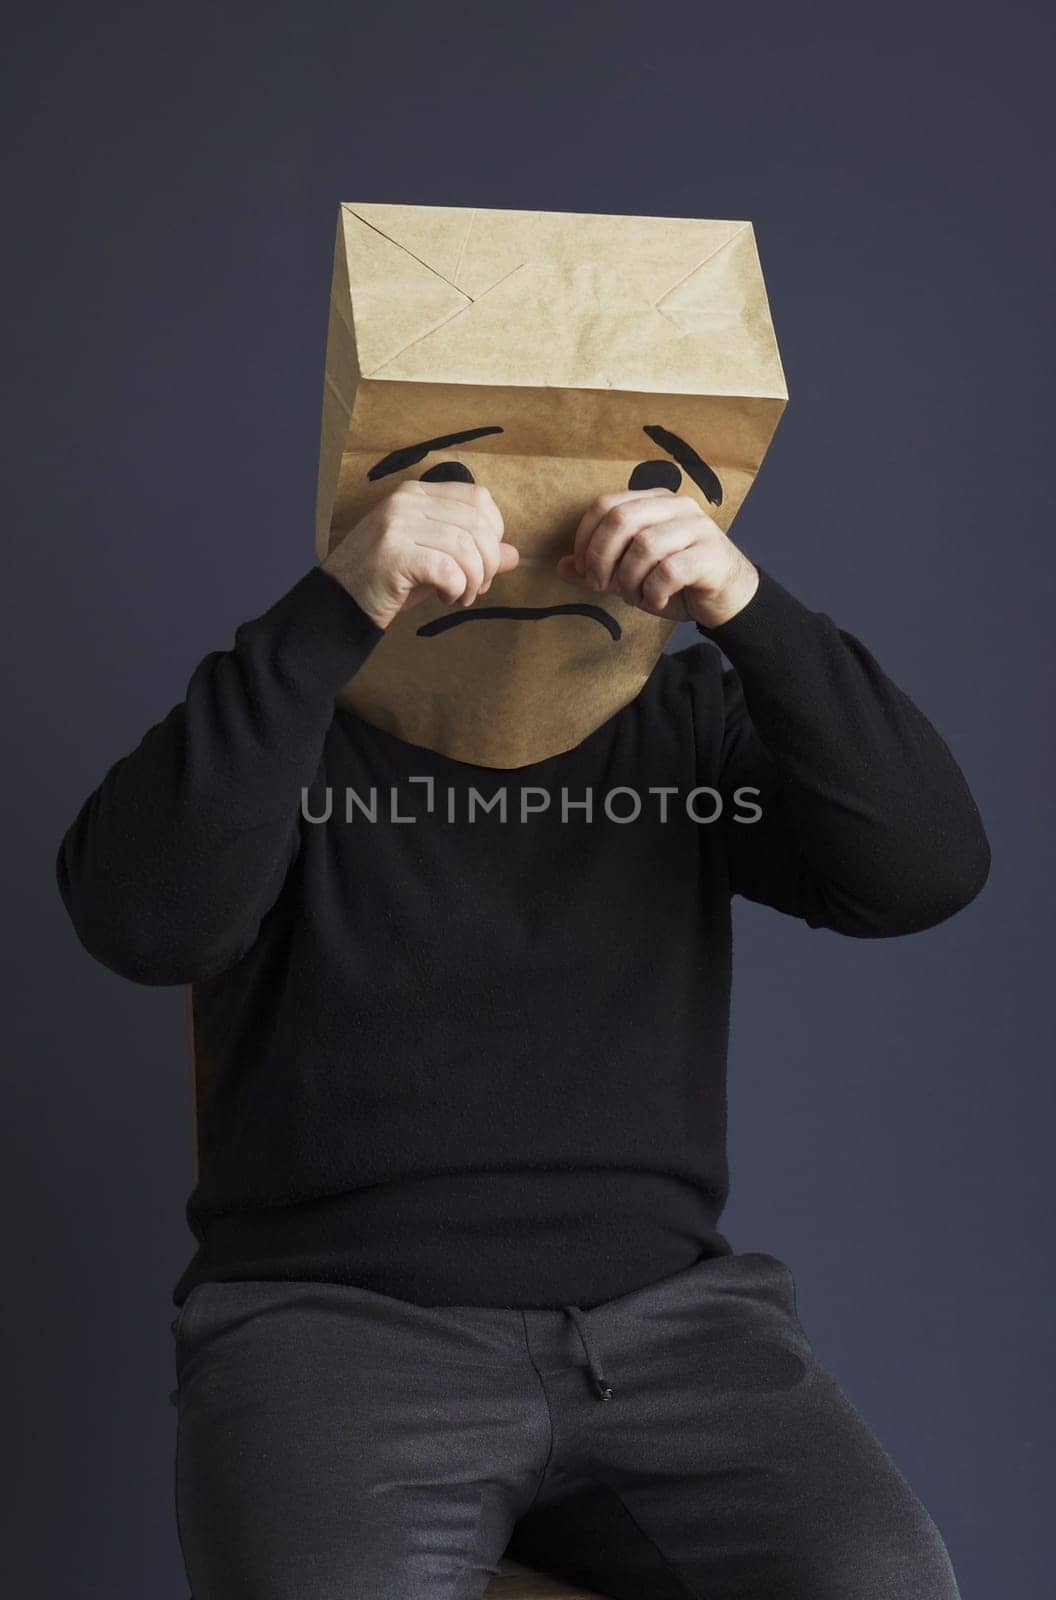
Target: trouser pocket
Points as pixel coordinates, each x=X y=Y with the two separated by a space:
x=181 y=1327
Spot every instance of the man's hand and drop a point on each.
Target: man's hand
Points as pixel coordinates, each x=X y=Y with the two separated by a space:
x=422 y=539
x=662 y=553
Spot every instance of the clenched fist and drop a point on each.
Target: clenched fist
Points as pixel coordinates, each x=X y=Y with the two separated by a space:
x=423 y=539
x=662 y=553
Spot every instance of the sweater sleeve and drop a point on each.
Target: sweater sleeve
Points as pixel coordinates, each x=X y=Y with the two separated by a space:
x=173 y=861
x=868 y=826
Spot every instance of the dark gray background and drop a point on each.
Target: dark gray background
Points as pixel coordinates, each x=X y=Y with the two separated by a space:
x=172 y=186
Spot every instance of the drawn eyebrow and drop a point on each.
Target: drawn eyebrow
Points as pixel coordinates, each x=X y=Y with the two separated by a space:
x=410 y=454
x=705 y=478
x=702 y=475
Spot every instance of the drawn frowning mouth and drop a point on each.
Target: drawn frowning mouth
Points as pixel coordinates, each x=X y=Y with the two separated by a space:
x=520 y=614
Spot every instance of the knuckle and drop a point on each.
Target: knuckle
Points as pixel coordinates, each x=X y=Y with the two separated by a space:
x=392 y=513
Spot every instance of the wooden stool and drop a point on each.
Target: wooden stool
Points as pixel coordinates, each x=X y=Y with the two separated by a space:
x=512 y=1581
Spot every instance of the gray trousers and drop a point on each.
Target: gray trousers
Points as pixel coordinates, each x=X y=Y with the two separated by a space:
x=681 y=1442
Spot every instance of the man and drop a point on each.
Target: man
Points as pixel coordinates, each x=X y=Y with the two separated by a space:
x=447 y=849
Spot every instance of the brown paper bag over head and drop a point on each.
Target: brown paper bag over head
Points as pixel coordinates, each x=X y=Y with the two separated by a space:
x=553 y=356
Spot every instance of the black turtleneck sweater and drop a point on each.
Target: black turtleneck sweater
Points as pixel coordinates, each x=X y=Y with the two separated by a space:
x=479 y=1058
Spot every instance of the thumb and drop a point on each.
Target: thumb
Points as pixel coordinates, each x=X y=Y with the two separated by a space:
x=566 y=569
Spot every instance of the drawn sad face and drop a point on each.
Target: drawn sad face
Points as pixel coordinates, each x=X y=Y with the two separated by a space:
x=533 y=667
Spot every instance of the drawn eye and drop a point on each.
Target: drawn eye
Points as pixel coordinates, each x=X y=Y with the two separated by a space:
x=448 y=472
x=656 y=475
